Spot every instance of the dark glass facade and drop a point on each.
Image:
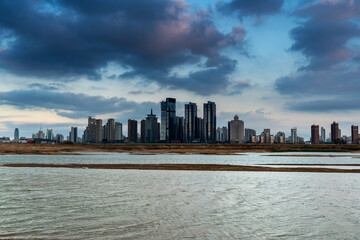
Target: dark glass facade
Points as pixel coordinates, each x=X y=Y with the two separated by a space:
x=190 y=122
x=168 y=120
x=210 y=122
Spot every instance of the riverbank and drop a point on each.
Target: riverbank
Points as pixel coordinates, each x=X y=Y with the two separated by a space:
x=184 y=167
x=215 y=149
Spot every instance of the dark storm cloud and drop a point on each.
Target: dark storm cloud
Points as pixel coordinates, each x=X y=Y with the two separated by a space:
x=68 y=39
x=322 y=35
x=74 y=105
x=256 y=8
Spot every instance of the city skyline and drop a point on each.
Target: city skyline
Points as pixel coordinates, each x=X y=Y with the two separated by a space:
x=261 y=61
x=175 y=127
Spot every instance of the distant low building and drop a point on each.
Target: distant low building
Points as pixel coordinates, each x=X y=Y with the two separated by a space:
x=280 y=138
x=249 y=134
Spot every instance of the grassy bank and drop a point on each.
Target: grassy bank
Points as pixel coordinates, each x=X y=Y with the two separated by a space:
x=12 y=148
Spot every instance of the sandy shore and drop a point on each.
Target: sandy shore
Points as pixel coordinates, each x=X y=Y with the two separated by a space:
x=306 y=155
x=187 y=167
x=310 y=164
x=214 y=149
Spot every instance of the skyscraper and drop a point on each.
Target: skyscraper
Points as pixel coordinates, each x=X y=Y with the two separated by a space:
x=267 y=135
x=168 y=120
x=236 y=130
x=190 y=121
x=118 y=131
x=210 y=122
x=199 y=128
x=94 y=131
x=294 y=135
x=355 y=134
x=74 y=135
x=49 y=134
x=151 y=128
x=16 y=135
x=132 y=130
x=323 y=136
x=110 y=130
x=179 y=129
x=98 y=131
x=142 y=131
x=334 y=132
x=315 y=134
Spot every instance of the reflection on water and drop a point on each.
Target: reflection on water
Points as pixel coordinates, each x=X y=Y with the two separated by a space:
x=112 y=204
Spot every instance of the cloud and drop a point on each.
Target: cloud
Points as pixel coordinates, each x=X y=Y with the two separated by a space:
x=340 y=83
x=45 y=87
x=322 y=38
x=73 y=105
x=330 y=79
x=326 y=105
x=65 y=40
x=245 y=8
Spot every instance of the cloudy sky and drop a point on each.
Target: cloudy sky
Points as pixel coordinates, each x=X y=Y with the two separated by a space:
x=277 y=64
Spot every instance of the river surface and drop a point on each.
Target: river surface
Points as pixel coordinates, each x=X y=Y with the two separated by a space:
x=62 y=203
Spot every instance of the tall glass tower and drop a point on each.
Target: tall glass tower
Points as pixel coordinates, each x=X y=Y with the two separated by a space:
x=210 y=122
x=190 y=121
x=168 y=120
x=16 y=135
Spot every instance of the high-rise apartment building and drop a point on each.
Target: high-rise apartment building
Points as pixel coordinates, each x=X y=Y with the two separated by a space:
x=267 y=135
x=168 y=120
x=142 y=131
x=210 y=122
x=334 y=132
x=151 y=128
x=179 y=136
x=73 y=135
x=109 y=131
x=59 y=138
x=99 y=131
x=294 y=139
x=199 y=130
x=94 y=131
x=16 y=135
x=236 y=130
x=249 y=133
x=222 y=134
x=132 y=131
x=323 y=136
x=118 y=131
x=49 y=134
x=315 y=139
x=355 y=134
x=190 y=122
x=280 y=138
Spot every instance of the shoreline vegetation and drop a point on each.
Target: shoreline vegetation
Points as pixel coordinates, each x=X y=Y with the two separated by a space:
x=183 y=167
x=214 y=149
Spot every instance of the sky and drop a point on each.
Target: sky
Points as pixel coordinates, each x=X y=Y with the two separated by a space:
x=276 y=64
